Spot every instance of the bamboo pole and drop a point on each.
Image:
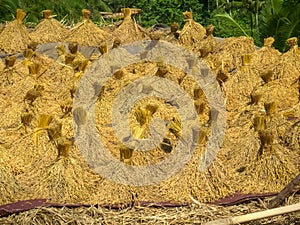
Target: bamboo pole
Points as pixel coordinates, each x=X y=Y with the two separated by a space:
x=256 y=216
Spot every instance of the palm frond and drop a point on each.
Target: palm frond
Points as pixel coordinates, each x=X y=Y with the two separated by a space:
x=229 y=18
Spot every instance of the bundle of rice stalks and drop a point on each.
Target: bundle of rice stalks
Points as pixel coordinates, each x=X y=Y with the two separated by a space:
x=240 y=85
x=129 y=30
x=14 y=38
x=87 y=33
x=48 y=30
x=206 y=45
x=275 y=91
x=76 y=60
x=266 y=59
x=192 y=32
x=289 y=66
x=36 y=63
x=227 y=55
x=64 y=178
x=272 y=170
x=241 y=140
x=7 y=75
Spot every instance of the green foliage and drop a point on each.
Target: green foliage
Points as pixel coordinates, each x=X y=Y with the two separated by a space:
x=167 y=11
x=281 y=20
x=232 y=21
x=8 y=9
x=256 y=18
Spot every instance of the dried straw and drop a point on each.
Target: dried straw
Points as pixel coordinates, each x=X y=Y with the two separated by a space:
x=227 y=55
x=87 y=33
x=129 y=30
x=14 y=37
x=9 y=186
x=239 y=87
x=266 y=59
x=289 y=66
x=272 y=171
x=208 y=44
x=49 y=30
x=192 y=32
x=276 y=91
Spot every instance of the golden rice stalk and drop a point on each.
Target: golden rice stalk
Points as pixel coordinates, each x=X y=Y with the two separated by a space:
x=65 y=180
x=47 y=14
x=126 y=155
x=82 y=65
x=292 y=136
x=293 y=44
x=126 y=12
x=32 y=45
x=119 y=74
x=55 y=130
x=268 y=42
x=152 y=108
x=188 y=15
x=200 y=106
x=86 y=14
x=255 y=98
x=162 y=70
x=103 y=48
x=69 y=58
x=142 y=115
x=26 y=118
x=210 y=30
x=42 y=125
x=9 y=186
x=174 y=27
x=33 y=93
x=10 y=61
x=28 y=53
x=117 y=42
x=20 y=15
x=198 y=93
x=266 y=138
x=175 y=126
x=246 y=59
x=63 y=147
x=61 y=49
x=270 y=172
x=222 y=76
x=139 y=131
x=192 y=32
x=271 y=108
x=267 y=76
x=73 y=47
x=34 y=68
x=259 y=123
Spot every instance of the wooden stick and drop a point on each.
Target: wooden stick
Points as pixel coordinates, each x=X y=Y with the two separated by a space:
x=256 y=216
x=285 y=192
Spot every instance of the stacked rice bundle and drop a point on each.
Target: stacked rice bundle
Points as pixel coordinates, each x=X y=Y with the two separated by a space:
x=227 y=56
x=192 y=32
x=129 y=31
x=87 y=33
x=14 y=37
x=48 y=30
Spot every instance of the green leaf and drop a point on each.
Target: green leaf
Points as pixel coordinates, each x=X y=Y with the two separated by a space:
x=227 y=17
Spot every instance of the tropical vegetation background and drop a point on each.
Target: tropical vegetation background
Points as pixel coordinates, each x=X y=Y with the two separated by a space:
x=253 y=18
